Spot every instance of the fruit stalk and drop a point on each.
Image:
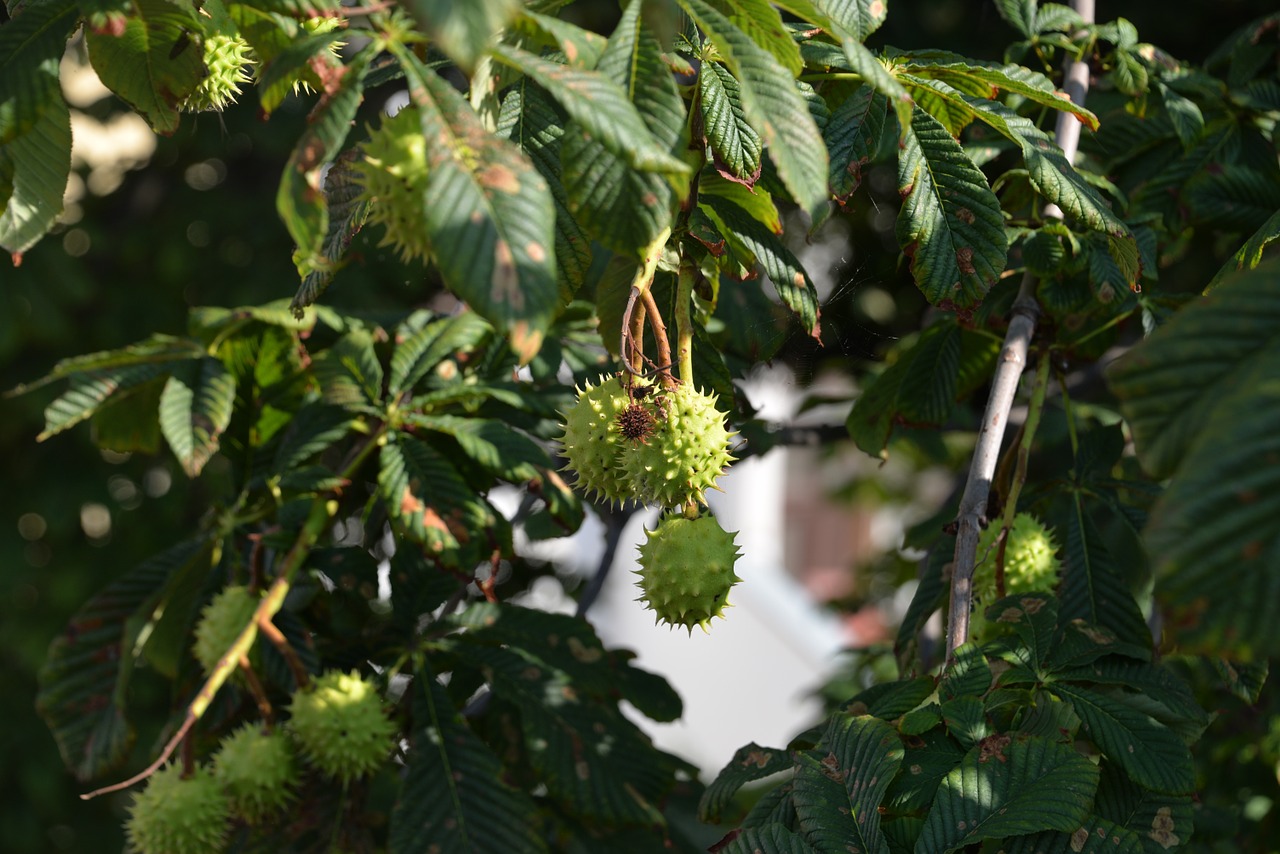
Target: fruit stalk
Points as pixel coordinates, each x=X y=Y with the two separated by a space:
x=684 y=323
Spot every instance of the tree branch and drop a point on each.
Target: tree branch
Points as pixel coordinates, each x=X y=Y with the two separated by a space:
x=1009 y=367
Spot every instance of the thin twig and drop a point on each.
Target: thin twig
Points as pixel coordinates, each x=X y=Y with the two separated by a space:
x=1012 y=361
x=659 y=328
x=272 y=633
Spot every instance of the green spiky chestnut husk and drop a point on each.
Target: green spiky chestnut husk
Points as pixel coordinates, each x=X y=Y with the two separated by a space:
x=227 y=60
x=176 y=816
x=257 y=771
x=684 y=454
x=393 y=179
x=220 y=624
x=1031 y=564
x=339 y=724
x=686 y=570
x=592 y=440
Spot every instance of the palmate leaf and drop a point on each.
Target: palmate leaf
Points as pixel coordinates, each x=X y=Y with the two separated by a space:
x=838 y=787
x=1095 y=836
x=195 y=409
x=854 y=19
x=749 y=764
x=154 y=64
x=85 y=677
x=600 y=107
x=530 y=119
x=594 y=761
x=773 y=105
x=767 y=839
x=1149 y=752
x=300 y=200
x=349 y=372
x=928 y=759
x=735 y=144
x=1249 y=255
x=1009 y=785
x=950 y=224
x=347 y=211
x=454 y=800
x=31 y=44
x=463 y=30
x=33 y=169
x=852 y=136
x=1201 y=398
x=489 y=214
x=756 y=244
x=581 y=48
x=1162 y=822
x=420 y=354
x=496 y=446
x=624 y=209
x=759 y=20
x=425 y=494
x=1092 y=588
x=89 y=392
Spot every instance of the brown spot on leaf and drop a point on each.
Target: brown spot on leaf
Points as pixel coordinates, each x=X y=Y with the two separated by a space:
x=1162 y=828
x=410 y=504
x=992 y=747
x=1031 y=604
x=505 y=287
x=1010 y=615
x=965 y=215
x=758 y=758
x=964 y=257
x=584 y=653
x=1079 y=839
x=498 y=176
x=1252 y=549
x=537 y=254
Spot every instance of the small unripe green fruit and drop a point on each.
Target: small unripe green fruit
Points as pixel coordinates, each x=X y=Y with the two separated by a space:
x=393 y=179
x=339 y=723
x=221 y=622
x=257 y=771
x=1030 y=561
x=686 y=451
x=686 y=570
x=592 y=439
x=226 y=59
x=176 y=816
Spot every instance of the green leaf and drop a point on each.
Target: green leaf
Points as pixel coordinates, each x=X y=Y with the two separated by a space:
x=37 y=163
x=842 y=18
x=195 y=409
x=291 y=65
x=346 y=214
x=600 y=106
x=31 y=45
x=757 y=203
x=530 y=119
x=987 y=80
x=763 y=24
x=425 y=494
x=454 y=799
x=127 y=423
x=1092 y=589
x=1019 y=14
x=838 y=787
x=1245 y=681
x=464 y=31
x=767 y=839
x=889 y=700
x=773 y=105
x=301 y=200
x=852 y=136
x=314 y=428
x=423 y=352
x=1095 y=836
x=1162 y=822
x=1234 y=197
x=919 y=388
x=496 y=446
x=580 y=47
x=756 y=244
x=146 y=65
x=1009 y=785
x=749 y=764
x=968 y=674
x=590 y=757
x=1249 y=255
x=950 y=225
x=1148 y=751
x=490 y=215
x=1184 y=113
x=85 y=677
x=928 y=759
x=624 y=209
x=349 y=372
x=1033 y=616
x=1152 y=682
x=90 y=391
x=735 y=144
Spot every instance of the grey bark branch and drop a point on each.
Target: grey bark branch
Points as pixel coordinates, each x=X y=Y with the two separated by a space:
x=1009 y=367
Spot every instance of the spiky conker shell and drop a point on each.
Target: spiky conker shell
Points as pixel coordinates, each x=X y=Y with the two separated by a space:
x=226 y=59
x=257 y=771
x=393 y=179
x=685 y=452
x=176 y=816
x=592 y=439
x=686 y=570
x=220 y=624
x=1030 y=562
x=339 y=724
